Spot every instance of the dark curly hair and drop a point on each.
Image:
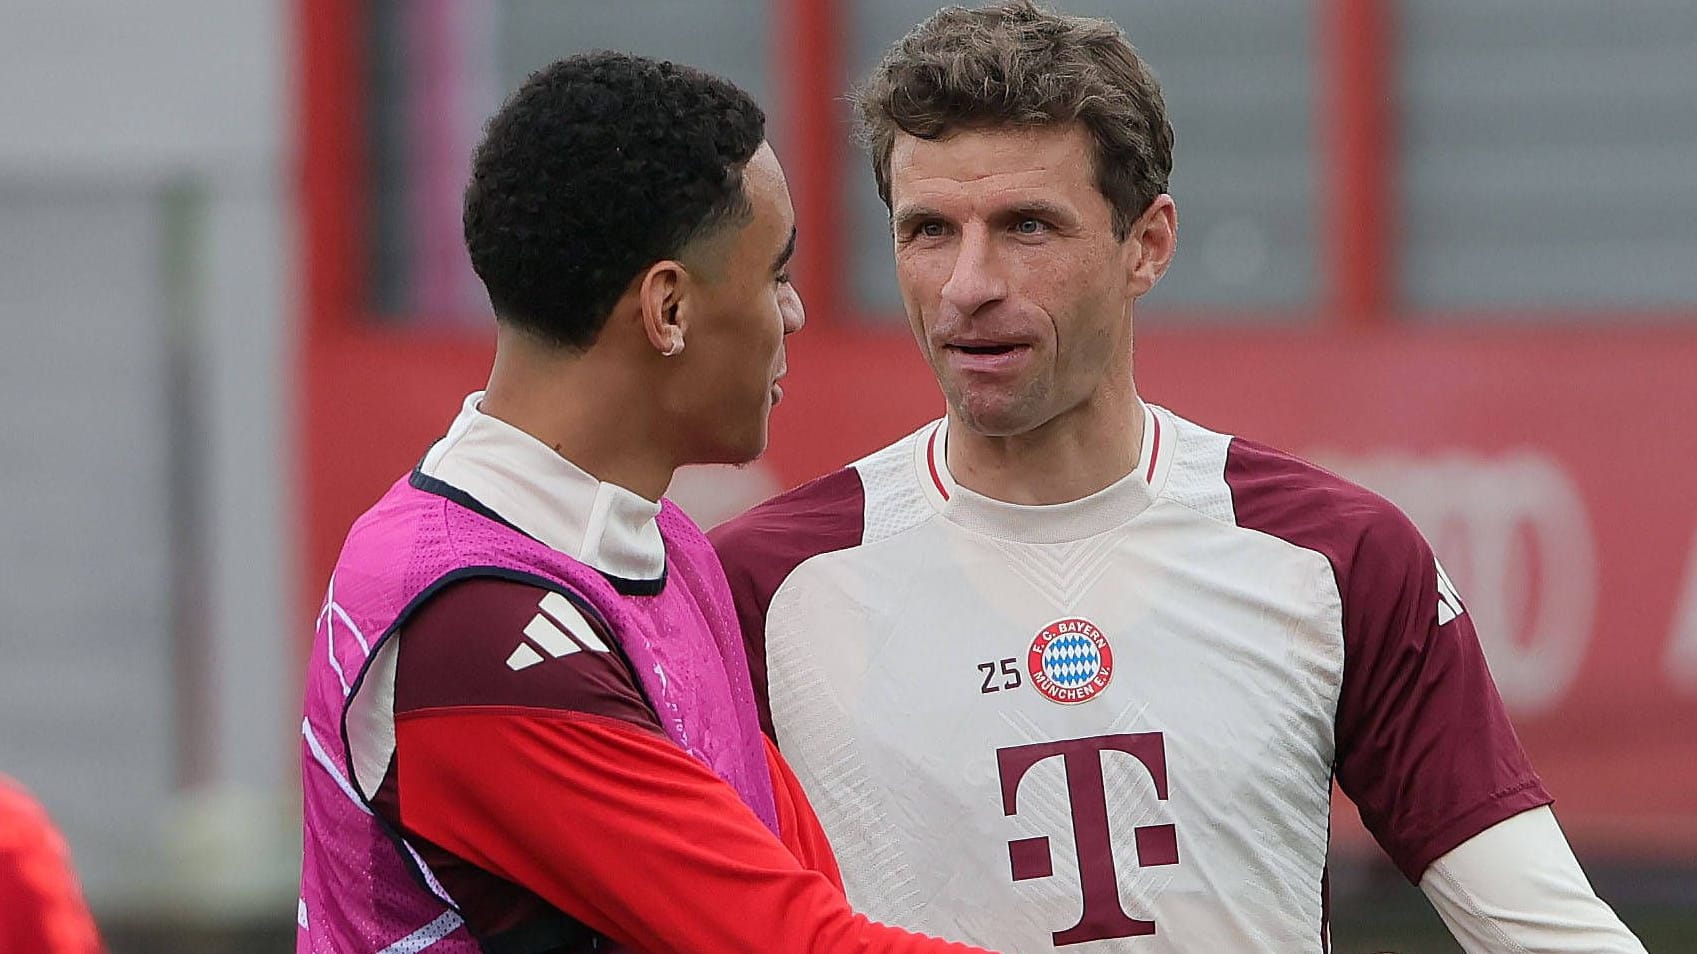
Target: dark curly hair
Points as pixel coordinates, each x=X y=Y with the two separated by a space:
x=1015 y=63
x=597 y=167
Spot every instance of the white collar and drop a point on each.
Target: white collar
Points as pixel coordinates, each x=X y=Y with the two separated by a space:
x=548 y=497
x=1050 y=523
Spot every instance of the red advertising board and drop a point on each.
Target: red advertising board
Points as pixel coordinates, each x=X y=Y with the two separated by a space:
x=1551 y=469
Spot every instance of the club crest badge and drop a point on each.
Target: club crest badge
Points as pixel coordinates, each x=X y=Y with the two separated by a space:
x=1070 y=661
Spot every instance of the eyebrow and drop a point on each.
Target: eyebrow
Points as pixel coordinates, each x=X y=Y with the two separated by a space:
x=912 y=214
x=784 y=256
x=1040 y=209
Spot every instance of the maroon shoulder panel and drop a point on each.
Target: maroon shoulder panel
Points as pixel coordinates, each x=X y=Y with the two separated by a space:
x=763 y=546
x=454 y=652
x=1424 y=745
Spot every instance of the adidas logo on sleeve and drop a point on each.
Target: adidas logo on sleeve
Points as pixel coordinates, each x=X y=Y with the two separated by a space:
x=558 y=631
x=1449 y=602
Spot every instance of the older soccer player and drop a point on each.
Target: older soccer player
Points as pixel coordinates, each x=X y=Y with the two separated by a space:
x=1064 y=667
x=529 y=727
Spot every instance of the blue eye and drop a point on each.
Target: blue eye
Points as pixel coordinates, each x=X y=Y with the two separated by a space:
x=931 y=229
x=1030 y=226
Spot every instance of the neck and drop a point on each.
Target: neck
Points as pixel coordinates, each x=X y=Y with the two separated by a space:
x=586 y=406
x=1072 y=456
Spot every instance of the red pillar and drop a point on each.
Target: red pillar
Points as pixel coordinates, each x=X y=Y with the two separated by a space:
x=808 y=76
x=1357 y=127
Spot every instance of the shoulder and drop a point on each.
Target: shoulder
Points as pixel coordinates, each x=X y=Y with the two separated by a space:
x=1310 y=507
x=489 y=640
x=764 y=545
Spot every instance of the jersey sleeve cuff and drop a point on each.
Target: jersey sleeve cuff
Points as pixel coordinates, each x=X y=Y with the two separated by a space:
x=1414 y=856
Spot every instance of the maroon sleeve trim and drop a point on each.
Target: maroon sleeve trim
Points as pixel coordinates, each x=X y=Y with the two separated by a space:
x=1424 y=746
x=1495 y=809
x=761 y=548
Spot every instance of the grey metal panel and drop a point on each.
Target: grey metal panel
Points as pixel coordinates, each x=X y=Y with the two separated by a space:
x=85 y=543
x=1238 y=79
x=1549 y=153
x=732 y=38
x=505 y=42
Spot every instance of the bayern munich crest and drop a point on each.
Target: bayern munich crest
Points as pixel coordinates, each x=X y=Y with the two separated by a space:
x=1070 y=661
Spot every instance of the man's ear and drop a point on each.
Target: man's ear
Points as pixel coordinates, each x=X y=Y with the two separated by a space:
x=1153 y=239
x=663 y=294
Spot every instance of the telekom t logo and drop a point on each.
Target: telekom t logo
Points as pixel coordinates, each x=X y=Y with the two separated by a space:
x=1030 y=857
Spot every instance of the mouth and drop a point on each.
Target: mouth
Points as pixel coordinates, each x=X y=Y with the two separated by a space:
x=984 y=348
x=777 y=390
x=973 y=344
x=986 y=356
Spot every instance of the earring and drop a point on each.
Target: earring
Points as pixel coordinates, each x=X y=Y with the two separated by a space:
x=674 y=346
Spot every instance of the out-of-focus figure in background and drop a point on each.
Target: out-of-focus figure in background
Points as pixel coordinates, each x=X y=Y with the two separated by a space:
x=41 y=903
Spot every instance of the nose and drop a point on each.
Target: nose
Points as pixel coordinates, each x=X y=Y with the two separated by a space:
x=790 y=309
x=976 y=279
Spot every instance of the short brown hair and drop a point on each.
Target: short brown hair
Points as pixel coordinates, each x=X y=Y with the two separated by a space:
x=1014 y=63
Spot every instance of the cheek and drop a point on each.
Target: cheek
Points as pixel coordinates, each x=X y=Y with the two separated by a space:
x=920 y=277
x=1070 y=276
x=761 y=336
x=1091 y=339
x=922 y=272
x=1085 y=306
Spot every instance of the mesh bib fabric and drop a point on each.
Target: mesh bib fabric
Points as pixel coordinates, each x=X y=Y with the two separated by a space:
x=364 y=889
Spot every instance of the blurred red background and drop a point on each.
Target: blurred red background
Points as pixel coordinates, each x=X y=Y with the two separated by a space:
x=1547 y=458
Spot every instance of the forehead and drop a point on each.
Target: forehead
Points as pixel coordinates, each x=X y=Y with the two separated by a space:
x=767 y=190
x=1052 y=161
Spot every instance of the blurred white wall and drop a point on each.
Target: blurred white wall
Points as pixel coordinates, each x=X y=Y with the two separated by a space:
x=168 y=119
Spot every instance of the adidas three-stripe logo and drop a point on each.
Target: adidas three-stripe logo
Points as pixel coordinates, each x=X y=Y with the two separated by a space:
x=1449 y=601
x=559 y=630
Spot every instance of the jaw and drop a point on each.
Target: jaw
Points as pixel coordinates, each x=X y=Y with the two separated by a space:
x=747 y=441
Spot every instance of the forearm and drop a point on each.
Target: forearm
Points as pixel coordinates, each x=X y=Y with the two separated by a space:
x=1516 y=888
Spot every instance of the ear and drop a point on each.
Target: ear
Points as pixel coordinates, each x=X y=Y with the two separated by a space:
x=1153 y=239
x=663 y=295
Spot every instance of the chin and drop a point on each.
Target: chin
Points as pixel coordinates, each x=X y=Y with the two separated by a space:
x=749 y=453
x=996 y=420
x=1006 y=411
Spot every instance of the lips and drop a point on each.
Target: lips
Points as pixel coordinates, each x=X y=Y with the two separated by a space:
x=986 y=355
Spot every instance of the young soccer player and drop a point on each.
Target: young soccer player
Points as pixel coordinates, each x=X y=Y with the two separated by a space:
x=529 y=727
x=1064 y=667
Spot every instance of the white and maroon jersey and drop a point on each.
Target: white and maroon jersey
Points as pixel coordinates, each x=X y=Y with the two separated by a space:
x=1113 y=724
